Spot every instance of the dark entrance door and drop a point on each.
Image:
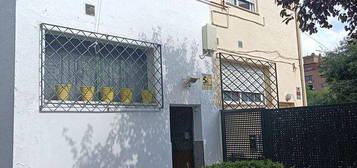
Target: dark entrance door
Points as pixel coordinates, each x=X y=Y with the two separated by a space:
x=181 y=126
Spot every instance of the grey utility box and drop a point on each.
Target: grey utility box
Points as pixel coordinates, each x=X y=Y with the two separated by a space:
x=209 y=38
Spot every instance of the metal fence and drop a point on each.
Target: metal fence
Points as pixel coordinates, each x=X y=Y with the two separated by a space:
x=242 y=134
x=83 y=71
x=316 y=137
x=247 y=82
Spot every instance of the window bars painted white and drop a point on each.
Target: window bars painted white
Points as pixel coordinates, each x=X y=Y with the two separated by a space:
x=83 y=71
x=247 y=83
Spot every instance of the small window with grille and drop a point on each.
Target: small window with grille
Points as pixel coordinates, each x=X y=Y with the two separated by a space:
x=83 y=71
x=244 y=85
x=247 y=82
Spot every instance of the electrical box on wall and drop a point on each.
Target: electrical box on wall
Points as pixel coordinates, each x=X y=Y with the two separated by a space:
x=209 y=38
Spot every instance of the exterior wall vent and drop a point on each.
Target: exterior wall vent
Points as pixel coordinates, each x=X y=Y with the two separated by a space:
x=90 y=9
x=240 y=44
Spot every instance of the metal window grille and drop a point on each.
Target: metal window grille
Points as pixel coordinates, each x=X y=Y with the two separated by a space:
x=247 y=83
x=83 y=71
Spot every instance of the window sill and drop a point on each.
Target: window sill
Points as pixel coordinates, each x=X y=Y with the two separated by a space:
x=229 y=102
x=57 y=106
x=243 y=9
x=243 y=106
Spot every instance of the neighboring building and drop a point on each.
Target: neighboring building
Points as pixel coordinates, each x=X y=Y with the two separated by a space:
x=313 y=79
x=92 y=83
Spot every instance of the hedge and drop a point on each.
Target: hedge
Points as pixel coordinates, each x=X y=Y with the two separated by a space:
x=248 y=164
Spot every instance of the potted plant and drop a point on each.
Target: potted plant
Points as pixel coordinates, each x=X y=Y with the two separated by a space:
x=147 y=96
x=107 y=94
x=62 y=91
x=87 y=93
x=126 y=95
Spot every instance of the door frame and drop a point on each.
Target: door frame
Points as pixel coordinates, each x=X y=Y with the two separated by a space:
x=198 y=142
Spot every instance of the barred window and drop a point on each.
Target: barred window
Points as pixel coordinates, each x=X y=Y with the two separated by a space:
x=87 y=71
x=248 y=90
x=247 y=82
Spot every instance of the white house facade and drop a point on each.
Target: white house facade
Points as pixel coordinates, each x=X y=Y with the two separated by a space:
x=170 y=117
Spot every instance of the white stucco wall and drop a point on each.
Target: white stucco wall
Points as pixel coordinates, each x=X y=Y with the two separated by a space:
x=7 y=69
x=126 y=139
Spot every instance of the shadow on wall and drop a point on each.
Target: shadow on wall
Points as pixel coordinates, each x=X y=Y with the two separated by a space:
x=131 y=141
x=141 y=139
x=180 y=60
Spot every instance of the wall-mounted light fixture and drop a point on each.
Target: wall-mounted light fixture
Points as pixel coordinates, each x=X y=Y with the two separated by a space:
x=189 y=81
x=288 y=97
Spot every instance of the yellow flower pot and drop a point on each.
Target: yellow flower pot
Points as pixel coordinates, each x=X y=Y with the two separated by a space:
x=62 y=92
x=126 y=95
x=147 y=96
x=87 y=93
x=107 y=94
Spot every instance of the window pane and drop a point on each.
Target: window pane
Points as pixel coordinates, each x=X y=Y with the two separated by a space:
x=252 y=97
x=243 y=79
x=258 y=97
x=308 y=79
x=231 y=96
x=244 y=4
x=80 y=63
x=250 y=5
x=307 y=68
x=245 y=97
x=232 y=2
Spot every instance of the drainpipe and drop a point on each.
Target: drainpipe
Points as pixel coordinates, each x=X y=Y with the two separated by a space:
x=301 y=62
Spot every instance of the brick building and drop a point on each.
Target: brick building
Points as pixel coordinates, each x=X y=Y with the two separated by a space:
x=313 y=78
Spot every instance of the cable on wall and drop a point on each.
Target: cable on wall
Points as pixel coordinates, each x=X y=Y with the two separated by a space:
x=96 y=26
x=279 y=55
x=97 y=18
x=255 y=56
x=248 y=53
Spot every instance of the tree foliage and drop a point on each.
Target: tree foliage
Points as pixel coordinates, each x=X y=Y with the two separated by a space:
x=312 y=14
x=339 y=67
x=320 y=97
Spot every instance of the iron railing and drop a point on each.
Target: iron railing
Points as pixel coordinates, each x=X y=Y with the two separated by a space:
x=247 y=82
x=83 y=71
